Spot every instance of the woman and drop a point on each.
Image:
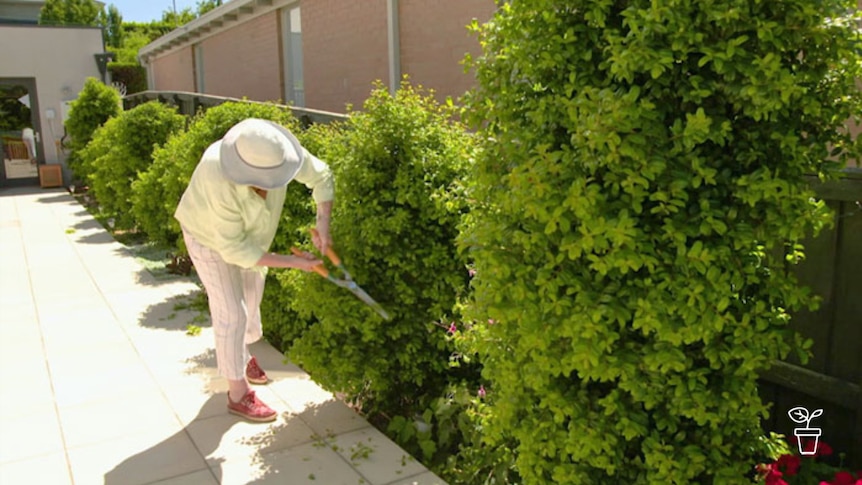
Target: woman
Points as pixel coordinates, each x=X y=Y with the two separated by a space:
x=229 y=215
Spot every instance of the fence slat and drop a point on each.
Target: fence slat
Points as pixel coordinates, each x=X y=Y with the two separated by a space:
x=814 y=384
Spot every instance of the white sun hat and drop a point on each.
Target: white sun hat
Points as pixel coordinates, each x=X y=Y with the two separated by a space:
x=260 y=153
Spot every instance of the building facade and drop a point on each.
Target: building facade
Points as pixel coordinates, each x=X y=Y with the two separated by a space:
x=322 y=54
x=42 y=69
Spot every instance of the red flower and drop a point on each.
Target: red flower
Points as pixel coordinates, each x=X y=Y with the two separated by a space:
x=824 y=449
x=788 y=464
x=773 y=476
x=843 y=478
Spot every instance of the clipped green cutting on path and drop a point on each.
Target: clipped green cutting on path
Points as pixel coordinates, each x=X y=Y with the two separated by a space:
x=640 y=202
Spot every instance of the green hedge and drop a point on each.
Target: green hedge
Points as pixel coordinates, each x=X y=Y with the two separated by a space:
x=282 y=325
x=398 y=167
x=96 y=104
x=120 y=150
x=638 y=203
x=132 y=75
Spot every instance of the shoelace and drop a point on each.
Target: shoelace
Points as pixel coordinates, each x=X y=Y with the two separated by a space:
x=255 y=369
x=250 y=401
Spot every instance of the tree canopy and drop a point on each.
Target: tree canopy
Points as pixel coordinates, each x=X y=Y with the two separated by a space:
x=70 y=12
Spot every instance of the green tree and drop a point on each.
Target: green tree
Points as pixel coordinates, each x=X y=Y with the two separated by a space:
x=176 y=19
x=204 y=6
x=112 y=21
x=135 y=36
x=69 y=12
x=640 y=201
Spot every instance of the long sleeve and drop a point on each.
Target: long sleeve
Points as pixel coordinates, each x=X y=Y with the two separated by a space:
x=316 y=175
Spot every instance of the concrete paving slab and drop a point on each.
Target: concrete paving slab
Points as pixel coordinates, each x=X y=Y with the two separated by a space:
x=51 y=468
x=308 y=464
x=113 y=390
x=136 y=459
x=372 y=454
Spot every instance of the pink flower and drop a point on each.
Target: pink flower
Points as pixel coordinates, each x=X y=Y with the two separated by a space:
x=481 y=392
x=491 y=321
x=452 y=329
x=471 y=272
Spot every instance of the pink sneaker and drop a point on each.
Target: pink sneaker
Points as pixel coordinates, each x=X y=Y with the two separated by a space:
x=251 y=408
x=254 y=373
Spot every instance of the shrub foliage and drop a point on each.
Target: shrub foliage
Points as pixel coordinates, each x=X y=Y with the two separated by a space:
x=96 y=104
x=121 y=149
x=398 y=168
x=639 y=199
x=130 y=74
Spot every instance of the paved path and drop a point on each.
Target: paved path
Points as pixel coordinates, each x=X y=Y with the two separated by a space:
x=101 y=384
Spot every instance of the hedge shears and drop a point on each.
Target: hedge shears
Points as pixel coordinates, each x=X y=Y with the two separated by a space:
x=346 y=281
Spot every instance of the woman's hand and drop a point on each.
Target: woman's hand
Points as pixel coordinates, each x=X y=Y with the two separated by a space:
x=321 y=239
x=306 y=261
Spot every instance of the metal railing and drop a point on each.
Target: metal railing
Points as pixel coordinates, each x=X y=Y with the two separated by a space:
x=190 y=103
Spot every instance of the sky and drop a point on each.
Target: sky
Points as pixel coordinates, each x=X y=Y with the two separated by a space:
x=147 y=10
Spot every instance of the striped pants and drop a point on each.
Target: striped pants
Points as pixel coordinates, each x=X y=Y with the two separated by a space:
x=234 y=299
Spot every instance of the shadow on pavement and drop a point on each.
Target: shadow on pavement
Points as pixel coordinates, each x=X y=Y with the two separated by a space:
x=100 y=237
x=159 y=454
x=264 y=464
x=177 y=312
x=51 y=195
x=56 y=197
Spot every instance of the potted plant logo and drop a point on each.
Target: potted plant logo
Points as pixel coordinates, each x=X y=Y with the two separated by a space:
x=801 y=415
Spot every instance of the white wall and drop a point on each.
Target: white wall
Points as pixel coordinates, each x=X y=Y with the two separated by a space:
x=61 y=59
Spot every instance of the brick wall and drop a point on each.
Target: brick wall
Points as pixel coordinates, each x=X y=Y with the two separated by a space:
x=345 y=49
x=434 y=40
x=175 y=71
x=245 y=61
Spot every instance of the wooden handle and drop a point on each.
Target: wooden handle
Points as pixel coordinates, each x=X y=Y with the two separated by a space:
x=319 y=269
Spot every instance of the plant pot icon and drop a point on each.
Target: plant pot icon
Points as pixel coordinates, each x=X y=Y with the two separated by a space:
x=801 y=415
x=807 y=446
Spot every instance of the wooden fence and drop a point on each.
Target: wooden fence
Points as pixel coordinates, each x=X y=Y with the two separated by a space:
x=832 y=378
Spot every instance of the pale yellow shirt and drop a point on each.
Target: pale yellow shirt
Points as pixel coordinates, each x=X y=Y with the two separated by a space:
x=232 y=219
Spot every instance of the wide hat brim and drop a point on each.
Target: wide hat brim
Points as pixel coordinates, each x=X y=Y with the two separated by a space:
x=238 y=171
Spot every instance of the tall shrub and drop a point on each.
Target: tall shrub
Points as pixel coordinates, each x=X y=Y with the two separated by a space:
x=96 y=104
x=399 y=198
x=123 y=148
x=157 y=191
x=639 y=198
x=130 y=74
x=282 y=324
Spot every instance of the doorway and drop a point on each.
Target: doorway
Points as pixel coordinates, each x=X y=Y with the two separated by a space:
x=20 y=133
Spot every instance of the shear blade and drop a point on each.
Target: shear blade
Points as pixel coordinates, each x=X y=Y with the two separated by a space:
x=362 y=295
